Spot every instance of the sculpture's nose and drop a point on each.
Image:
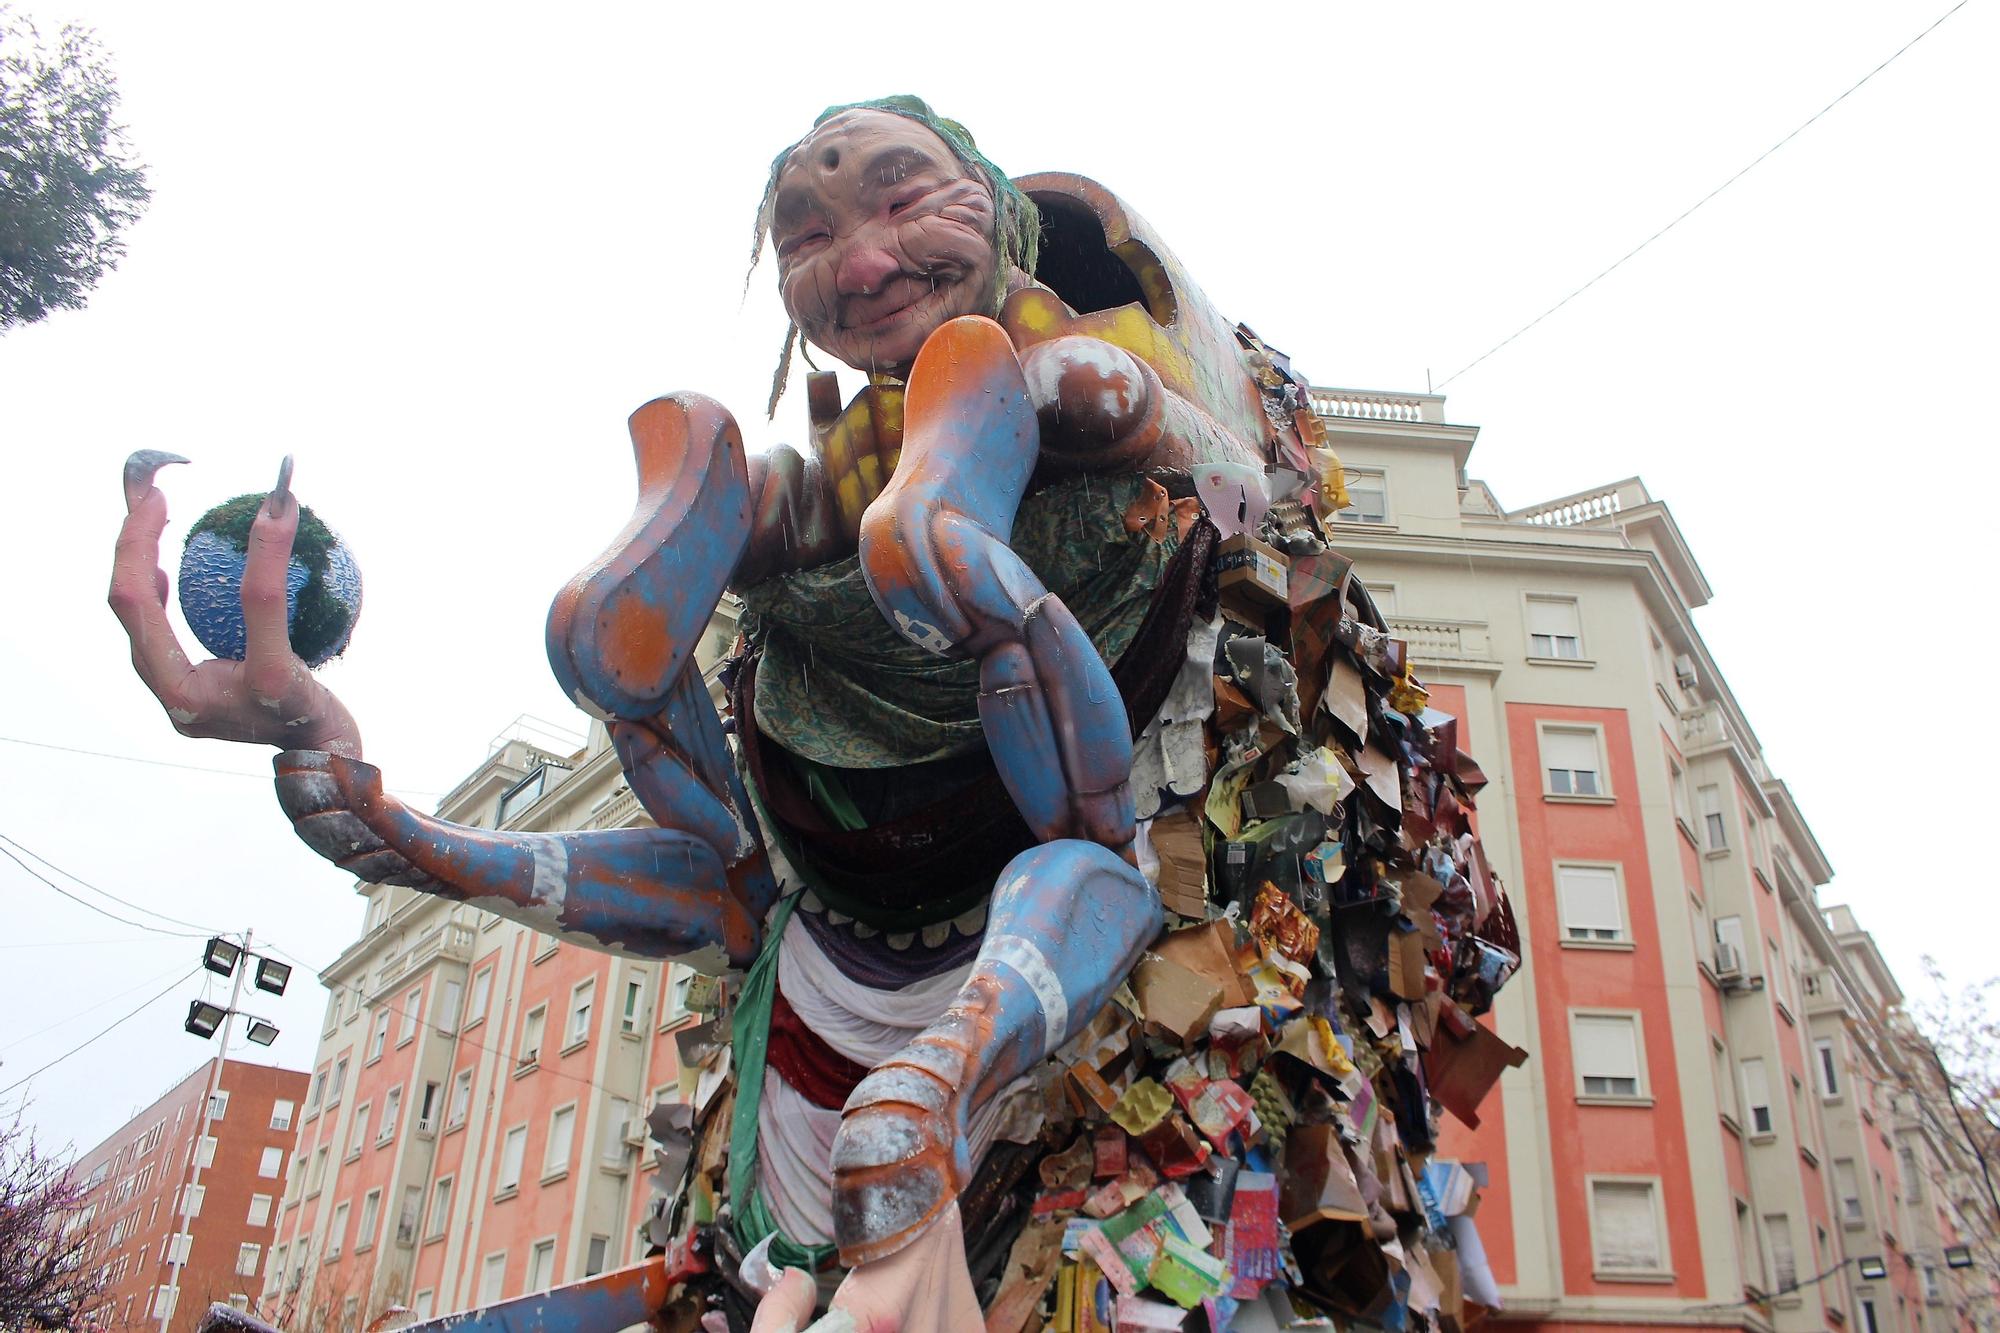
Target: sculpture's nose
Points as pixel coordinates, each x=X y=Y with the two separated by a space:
x=865 y=267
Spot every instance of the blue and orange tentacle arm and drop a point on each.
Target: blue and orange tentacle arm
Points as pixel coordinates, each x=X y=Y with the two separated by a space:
x=621 y=639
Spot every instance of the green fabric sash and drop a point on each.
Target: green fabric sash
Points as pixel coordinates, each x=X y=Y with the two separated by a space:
x=751 y=1028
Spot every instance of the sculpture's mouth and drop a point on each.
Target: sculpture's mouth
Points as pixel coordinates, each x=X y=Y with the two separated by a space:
x=907 y=296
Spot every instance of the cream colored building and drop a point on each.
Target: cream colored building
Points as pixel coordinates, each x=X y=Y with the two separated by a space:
x=1710 y=1130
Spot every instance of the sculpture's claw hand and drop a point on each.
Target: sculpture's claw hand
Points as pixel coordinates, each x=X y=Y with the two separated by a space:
x=139 y=469
x=269 y=697
x=900 y=1156
x=321 y=794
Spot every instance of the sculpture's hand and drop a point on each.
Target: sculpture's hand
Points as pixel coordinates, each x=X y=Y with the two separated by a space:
x=925 y=1288
x=269 y=697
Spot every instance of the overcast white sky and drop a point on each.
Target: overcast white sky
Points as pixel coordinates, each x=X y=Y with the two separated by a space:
x=440 y=255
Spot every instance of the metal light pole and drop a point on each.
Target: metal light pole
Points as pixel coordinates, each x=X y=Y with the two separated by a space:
x=181 y=1224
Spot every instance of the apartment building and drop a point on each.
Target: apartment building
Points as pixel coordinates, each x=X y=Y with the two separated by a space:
x=474 y=1127
x=164 y=1246
x=1711 y=1128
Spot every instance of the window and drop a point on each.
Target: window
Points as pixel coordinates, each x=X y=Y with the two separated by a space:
x=336 y=1233
x=410 y=1214
x=1729 y=959
x=338 y=1081
x=1367 y=495
x=1933 y=1291
x=359 y=1134
x=421 y=1303
x=617 y=1113
x=1677 y=784
x=271 y=1163
x=1607 y=1055
x=1829 y=1068
x=191 y=1200
x=392 y=1111
x=371 y=1213
x=413 y=1015
x=281 y=1114
x=545 y=947
x=1571 y=762
x=163 y=1302
x=1778 y=1245
x=482 y=990
x=448 y=1002
x=277 y=1268
x=579 y=1013
x=440 y=1208
x=246 y=1259
x=1554 y=628
x=461 y=1098
x=492 y=1277
x=318 y=1177
x=260 y=1210
x=511 y=1152
x=207 y=1150
x=1913 y=1190
x=1626 y=1237
x=1868 y=1324
x=1592 y=907
x=632 y=1014
x=595 y=1256
x=1847 y=1184
x=562 y=1137
x=379 y=1040
x=427 y=1110
x=531 y=1036
x=1725 y=1086
x=1715 y=834
x=541 y=1265
x=677 y=992
x=218 y=1102
x=1757 y=1096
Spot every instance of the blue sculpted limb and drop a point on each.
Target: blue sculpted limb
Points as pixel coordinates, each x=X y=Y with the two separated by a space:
x=934 y=549
x=1066 y=925
x=621 y=639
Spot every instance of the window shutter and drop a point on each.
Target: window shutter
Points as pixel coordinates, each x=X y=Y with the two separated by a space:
x=1627 y=1237
x=1590 y=898
x=1607 y=1047
x=1553 y=617
x=1574 y=750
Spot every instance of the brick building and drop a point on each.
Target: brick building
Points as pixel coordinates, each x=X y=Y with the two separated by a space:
x=164 y=1246
x=1713 y=1126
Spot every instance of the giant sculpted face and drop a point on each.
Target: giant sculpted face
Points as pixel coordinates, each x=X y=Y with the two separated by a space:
x=882 y=235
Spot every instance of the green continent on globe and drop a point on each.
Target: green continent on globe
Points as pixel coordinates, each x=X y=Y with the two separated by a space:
x=320 y=620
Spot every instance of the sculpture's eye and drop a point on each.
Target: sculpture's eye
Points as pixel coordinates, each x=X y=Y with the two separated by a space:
x=902 y=203
x=805 y=240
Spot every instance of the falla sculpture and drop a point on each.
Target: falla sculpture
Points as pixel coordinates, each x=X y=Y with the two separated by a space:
x=1090 y=889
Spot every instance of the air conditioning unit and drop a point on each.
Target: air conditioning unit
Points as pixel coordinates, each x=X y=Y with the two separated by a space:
x=1728 y=962
x=1684 y=671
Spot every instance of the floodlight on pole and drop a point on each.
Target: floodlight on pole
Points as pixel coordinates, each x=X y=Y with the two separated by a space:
x=1872 y=1268
x=261 y=1032
x=1958 y=1256
x=204 y=1018
x=272 y=975
x=221 y=956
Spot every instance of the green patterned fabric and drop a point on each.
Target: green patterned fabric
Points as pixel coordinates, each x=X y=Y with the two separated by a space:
x=837 y=685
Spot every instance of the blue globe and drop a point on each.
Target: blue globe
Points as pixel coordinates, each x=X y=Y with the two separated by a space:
x=322 y=584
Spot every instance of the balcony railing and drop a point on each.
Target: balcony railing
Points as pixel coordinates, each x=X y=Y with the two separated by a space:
x=1576 y=509
x=448 y=941
x=1372 y=405
x=1443 y=640
x=617 y=812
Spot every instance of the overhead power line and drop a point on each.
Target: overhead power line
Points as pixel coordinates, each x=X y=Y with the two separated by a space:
x=76 y=878
x=85 y=902
x=88 y=1040
x=1685 y=213
x=167 y=763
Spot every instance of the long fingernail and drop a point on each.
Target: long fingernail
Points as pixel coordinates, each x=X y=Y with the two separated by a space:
x=140 y=466
x=281 y=494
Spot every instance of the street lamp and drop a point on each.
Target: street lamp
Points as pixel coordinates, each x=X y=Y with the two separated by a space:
x=204 y=1018
x=272 y=974
x=220 y=956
